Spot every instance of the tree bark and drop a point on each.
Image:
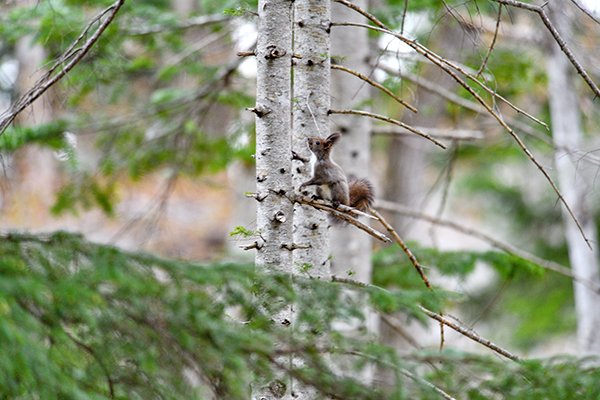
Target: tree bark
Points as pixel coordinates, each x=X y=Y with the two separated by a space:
x=568 y=136
x=351 y=248
x=310 y=118
x=274 y=214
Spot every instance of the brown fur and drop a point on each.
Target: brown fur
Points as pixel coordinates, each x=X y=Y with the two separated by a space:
x=331 y=180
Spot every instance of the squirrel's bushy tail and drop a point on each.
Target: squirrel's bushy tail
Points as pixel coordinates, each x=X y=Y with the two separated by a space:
x=362 y=193
x=362 y=196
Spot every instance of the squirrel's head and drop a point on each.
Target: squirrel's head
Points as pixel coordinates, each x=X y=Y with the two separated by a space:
x=319 y=145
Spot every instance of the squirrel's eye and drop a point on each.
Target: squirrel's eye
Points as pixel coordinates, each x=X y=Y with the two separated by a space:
x=317 y=143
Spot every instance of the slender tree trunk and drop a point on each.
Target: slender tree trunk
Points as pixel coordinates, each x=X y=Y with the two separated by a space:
x=36 y=167
x=311 y=106
x=273 y=144
x=568 y=136
x=273 y=157
x=351 y=248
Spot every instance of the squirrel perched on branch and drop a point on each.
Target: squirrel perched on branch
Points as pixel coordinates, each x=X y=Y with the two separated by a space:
x=331 y=181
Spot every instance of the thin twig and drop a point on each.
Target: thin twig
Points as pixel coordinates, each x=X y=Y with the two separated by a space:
x=462 y=102
x=91 y=352
x=440 y=62
x=491 y=48
x=404 y=10
x=391 y=121
x=470 y=334
x=404 y=248
x=431 y=56
x=397 y=327
x=72 y=54
x=446 y=187
x=497 y=243
x=557 y=38
x=586 y=11
x=344 y=215
x=374 y=84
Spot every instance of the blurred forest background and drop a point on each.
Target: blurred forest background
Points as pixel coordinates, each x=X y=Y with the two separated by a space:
x=124 y=209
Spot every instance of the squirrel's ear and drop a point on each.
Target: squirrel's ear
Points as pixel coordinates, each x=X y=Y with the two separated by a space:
x=334 y=137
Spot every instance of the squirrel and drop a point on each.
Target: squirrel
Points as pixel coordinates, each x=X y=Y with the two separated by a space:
x=331 y=181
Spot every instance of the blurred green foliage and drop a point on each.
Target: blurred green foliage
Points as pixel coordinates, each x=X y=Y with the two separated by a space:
x=88 y=321
x=131 y=96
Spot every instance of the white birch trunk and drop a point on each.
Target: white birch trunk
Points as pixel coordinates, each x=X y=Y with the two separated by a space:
x=567 y=133
x=273 y=158
x=273 y=144
x=310 y=118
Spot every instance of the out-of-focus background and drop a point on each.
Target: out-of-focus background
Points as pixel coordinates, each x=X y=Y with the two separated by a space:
x=147 y=144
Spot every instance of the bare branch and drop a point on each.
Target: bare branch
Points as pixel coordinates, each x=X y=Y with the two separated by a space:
x=246 y=53
x=444 y=65
x=491 y=48
x=431 y=56
x=557 y=38
x=343 y=212
x=497 y=243
x=470 y=334
x=586 y=11
x=391 y=121
x=460 y=101
x=73 y=54
x=404 y=248
x=374 y=84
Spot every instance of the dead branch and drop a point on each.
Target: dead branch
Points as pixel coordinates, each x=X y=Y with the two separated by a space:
x=491 y=48
x=374 y=84
x=470 y=334
x=446 y=66
x=404 y=248
x=75 y=55
x=586 y=11
x=391 y=121
x=557 y=38
x=431 y=56
x=460 y=101
x=344 y=213
x=497 y=243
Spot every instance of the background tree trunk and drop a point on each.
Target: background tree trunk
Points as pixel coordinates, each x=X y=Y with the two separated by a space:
x=351 y=248
x=36 y=169
x=568 y=136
